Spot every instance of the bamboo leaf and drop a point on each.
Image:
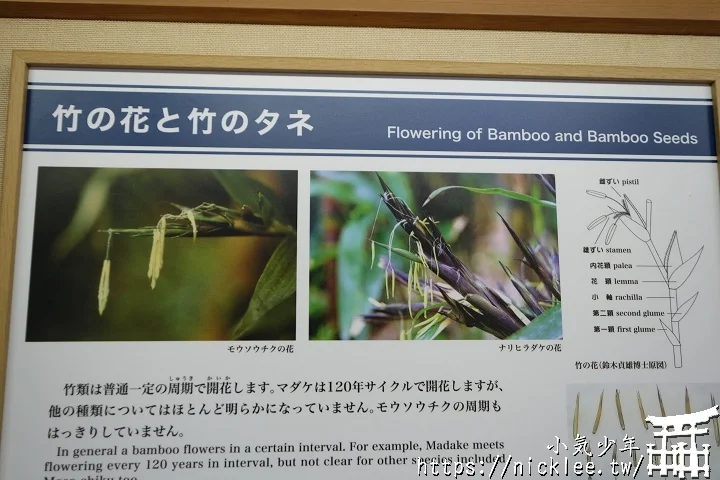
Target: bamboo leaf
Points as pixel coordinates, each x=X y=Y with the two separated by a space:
x=402 y=252
x=352 y=271
x=680 y=275
x=494 y=191
x=276 y=284
x=346 y=187
x=685 y=307
x=317 y=302
x=433 y=329
x=274 y=321
x=547 y=326
x=245 y=190
x=421 y=313
x=267 y=210
x=91 y=201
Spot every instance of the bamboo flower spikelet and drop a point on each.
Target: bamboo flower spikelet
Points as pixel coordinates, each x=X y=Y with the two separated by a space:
x=446 y=288
x=104 y=287
x=157 y=252
x=204 y=220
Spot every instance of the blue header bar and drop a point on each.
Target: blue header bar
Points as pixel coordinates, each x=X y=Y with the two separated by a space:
x=413 y=122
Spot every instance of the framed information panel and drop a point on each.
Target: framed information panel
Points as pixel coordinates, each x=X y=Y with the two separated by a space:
x=283 y=268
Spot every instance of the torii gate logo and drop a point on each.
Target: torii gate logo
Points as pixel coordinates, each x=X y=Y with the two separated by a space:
x=682 y=458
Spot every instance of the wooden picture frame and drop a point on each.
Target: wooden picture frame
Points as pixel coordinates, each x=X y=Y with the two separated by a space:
x=668 y=17
x=22 y=61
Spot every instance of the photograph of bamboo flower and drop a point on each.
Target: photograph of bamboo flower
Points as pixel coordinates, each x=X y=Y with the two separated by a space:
x=431 y=256
x=612 y=419
x=674 y=267
x=163 y=254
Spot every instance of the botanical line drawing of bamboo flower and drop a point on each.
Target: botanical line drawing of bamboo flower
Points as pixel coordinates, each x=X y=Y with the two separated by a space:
x=674 y=269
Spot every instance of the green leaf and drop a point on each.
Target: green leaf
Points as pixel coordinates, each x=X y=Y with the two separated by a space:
x=537 y=213
x=495 y=191
x=245 y=190
x=267 y=211
x=325 y=332
x=407 y=254
x=433 y=329
x=547 y=326
x=318 y=302
x=321 y=255
x=275 y=322
x=277 y=283
x=93 y=198
x=422 y=313
x=351 y=268
x=350 y=188
x=374 y=286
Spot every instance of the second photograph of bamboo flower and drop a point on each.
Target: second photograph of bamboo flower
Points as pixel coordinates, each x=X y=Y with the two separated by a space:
x=430 y=256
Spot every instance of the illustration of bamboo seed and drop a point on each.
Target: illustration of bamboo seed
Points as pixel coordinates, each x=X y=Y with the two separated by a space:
x=662 y=412
x=716 y=425
x=614 y=454
x=599 y=413
x=634 y=457
x=642 y=411
x=619 y=409
x=576 y=416
x=688 y=408
x=662 y=407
